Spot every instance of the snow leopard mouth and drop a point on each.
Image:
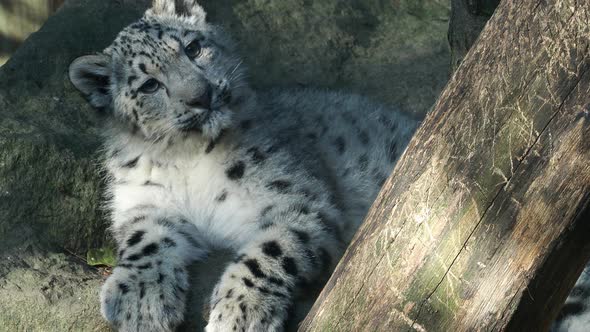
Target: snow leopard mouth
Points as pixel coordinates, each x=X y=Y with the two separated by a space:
x=205 y=116
x=196 y=122
x=210 y=120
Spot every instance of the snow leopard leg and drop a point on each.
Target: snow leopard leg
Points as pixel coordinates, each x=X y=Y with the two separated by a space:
x=148 y=287
x=256 y=291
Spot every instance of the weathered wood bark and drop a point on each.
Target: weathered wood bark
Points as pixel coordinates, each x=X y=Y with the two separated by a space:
x=483 y=224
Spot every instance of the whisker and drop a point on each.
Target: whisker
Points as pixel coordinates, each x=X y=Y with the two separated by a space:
x=236 y=67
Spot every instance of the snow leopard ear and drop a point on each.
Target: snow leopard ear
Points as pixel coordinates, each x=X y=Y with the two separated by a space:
x=193 y=9
x=91 y=74
x=162 y=7
x=188 y=8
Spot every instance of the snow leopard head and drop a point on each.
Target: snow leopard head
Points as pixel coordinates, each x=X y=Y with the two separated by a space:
x=170 y=73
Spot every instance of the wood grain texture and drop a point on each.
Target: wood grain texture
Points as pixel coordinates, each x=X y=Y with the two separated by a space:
x=483 y=224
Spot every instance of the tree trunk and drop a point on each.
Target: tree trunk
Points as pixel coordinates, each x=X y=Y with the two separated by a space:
x=483 y=224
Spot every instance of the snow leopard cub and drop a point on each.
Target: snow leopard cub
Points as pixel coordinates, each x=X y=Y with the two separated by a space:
x=198 y=160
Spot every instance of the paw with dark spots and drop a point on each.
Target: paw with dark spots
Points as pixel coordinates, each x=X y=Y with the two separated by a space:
x=272 y=249
x=289 y=266
x=145 y=266
x=249 y=301
x=302 y=236
x=254 y=268
x=123 y=288
x=150 y=249
x=276 y=281
x=135 y=238
x=131 y=300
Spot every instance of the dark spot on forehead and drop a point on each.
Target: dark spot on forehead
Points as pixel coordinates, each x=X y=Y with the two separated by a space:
x=177 y=39
x=142 y=68
x=131 y=79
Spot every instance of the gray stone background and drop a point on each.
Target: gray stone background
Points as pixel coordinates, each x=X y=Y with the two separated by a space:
x=393 y=50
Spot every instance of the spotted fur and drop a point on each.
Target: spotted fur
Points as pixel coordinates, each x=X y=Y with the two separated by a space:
x=575 y=313
x=197 y=159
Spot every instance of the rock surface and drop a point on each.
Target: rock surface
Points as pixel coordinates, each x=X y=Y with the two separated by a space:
x=50 y=188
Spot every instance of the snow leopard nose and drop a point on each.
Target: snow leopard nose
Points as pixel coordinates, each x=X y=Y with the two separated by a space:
x=202 y=101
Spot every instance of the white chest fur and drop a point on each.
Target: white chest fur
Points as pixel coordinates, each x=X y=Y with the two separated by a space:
x=195 y=188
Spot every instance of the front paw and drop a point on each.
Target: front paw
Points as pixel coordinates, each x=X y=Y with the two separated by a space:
x=145 y=298
x=247 y=305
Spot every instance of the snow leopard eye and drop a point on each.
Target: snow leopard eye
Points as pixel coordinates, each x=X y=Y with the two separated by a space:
x=193 y=49
x=150 y=86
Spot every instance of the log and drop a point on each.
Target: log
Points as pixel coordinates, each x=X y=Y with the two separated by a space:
x=483 y=224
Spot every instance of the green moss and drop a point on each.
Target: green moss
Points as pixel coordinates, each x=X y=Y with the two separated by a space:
x=102 y=256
